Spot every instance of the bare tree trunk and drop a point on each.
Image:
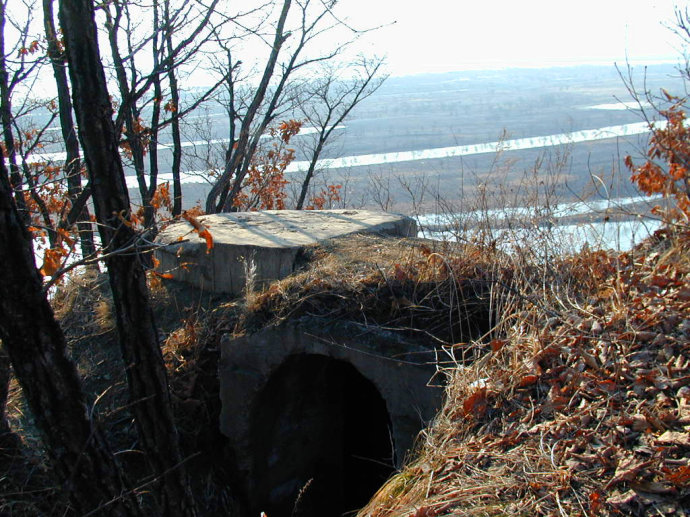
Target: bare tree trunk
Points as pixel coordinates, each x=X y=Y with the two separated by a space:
x=310 y=174
x=69 y=134
x=149 y=210
x=6 y=122
x=175 y=124
x=136 y=328
x=243 y=164
x=36 y=346
x=235 y=163
x=177 y=147
x=128 y=107
x=337 y=100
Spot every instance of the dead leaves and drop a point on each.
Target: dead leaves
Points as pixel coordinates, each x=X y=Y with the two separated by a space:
x=430 y=510
x=55 y=257
x=497 y=344
x=475 y=405
x=679 y=477
x=676 y=438
x=527 y=380
x=627 y=470
x=665 y=170
x=601 y=397
x=200 y=229
x=52 y=260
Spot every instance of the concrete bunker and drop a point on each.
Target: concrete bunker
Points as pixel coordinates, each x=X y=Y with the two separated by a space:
x=325 y=410
x=272 y=239
x=321 y=438
x=317 y=410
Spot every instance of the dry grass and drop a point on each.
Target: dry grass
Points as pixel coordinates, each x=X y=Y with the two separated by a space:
x=568 y=388
x=26 y=484
x=83 y=306
x=585 y=412
x=408 y=285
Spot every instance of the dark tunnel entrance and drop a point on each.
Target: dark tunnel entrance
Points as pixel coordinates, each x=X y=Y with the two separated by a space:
x=321 y=440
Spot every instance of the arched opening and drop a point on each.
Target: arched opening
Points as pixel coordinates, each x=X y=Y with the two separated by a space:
x=321 y=440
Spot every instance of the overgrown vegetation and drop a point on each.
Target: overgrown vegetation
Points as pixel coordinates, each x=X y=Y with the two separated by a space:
x=568 y=386
x=580 y=408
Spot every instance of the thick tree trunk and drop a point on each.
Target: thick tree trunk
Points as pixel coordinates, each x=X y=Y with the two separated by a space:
x=36 y=346
x=137 y=331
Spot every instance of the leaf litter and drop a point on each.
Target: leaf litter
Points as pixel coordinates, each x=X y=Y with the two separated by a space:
x=583 y=413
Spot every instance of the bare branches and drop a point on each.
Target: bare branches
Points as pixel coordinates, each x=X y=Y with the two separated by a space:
x=330 y=100
x=298 y=45
x=239 y=151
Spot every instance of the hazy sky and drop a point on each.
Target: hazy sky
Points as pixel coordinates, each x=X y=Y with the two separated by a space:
x=447 y=35
x=444 y=35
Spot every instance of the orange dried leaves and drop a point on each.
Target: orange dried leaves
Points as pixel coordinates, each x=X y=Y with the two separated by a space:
x=200 y=229
x=476 y=404
x=53 y=258
x=665 y=170
x=327 y=197
x=264 y=187
x=161 y=197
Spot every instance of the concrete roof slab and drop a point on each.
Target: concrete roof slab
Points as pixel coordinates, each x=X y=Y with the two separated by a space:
x=269 y=239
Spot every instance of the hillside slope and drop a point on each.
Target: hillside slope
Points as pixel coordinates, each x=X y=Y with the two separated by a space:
x=582 y=407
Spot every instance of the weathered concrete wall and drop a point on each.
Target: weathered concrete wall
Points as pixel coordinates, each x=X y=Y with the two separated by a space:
x=272 y=239
x=396 y=368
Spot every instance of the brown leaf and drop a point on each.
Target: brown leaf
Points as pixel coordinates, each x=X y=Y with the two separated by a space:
x=618 y=499
x=430 y=511
x=52 y=259
x=497 y=344
x=168 y=276
x=674 y=438
x=639 y=423
x=475 y=405
x=653 y=487
x=595 y=502
x=683 y=294
x=527 y=380
x=424 y=511
x=608 y=385
x=645 y=336
x=208 y=238
x=680 y=476
x=627 y=470
x=200 y=229
x=661 y=281
x=590 y=360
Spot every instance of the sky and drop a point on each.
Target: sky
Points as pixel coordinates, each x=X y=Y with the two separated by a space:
x=429 y=36
x=449 y=35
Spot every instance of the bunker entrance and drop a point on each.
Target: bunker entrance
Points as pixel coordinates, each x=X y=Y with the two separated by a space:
x=321 y=439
